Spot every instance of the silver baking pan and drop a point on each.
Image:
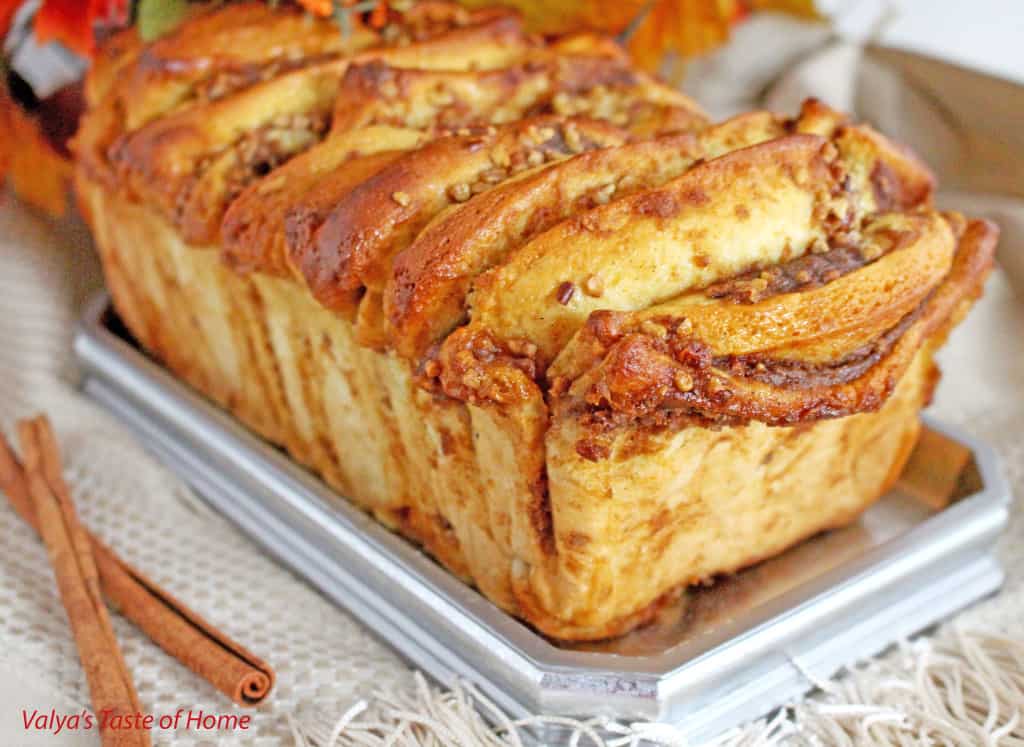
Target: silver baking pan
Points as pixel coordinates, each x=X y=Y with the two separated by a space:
x=724 y=655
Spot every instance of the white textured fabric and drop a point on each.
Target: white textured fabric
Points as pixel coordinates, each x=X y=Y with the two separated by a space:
x=339 y=685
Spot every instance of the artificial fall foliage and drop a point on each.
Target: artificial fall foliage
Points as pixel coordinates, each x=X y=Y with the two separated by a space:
x=72 y=22
x=684 y=28
x=32 y=164
x=38 y=170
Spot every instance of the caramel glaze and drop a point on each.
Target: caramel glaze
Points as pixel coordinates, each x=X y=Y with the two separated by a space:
x=673 y=380
x=479 y=369
x=809 y=271
x=656 y=375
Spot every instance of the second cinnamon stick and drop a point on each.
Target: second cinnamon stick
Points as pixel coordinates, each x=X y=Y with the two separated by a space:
x=110 y=684
x=178 y=630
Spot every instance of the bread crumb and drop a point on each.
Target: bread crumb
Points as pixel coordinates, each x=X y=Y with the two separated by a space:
x=594 y=286
x=604 y=195
x=565 y=292
x=501 y=158
x=871 y=251
x=572 y=138
x=653 y=329
x=460 y=192
x=683 y=381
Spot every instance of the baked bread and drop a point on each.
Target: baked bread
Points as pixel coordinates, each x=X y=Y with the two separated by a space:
x=520 y=301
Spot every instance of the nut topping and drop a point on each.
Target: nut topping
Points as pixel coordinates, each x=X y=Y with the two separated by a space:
x=683 y=381
x=565 y=293
x=653 y=329
x=460 y=192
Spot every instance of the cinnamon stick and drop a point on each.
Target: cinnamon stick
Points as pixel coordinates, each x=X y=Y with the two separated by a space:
x=110 y=684
x=181 y=632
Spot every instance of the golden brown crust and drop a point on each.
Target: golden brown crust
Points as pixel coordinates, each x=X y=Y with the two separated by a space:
x=430 y=282
x=715 y=363
x=253 y=230
x=350 y=248
x=383 y=107
x=801 y=215
x=379 y=104
x=218 y=51
x=660 y=242
x=192 y=151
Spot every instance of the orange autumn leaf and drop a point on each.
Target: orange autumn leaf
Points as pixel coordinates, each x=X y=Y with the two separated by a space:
x=683 y=27
x=327 y=7
x=562 y=16
x=7 y=10
x=73 y=22
x=34 y=169
x=68 y=22
x=688 y=28
x=318 y=7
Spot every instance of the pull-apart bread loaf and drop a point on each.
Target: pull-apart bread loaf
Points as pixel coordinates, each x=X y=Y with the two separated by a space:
x=522 y=302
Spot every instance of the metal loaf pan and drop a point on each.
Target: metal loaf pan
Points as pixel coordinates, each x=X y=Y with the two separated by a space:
x=724 y=655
